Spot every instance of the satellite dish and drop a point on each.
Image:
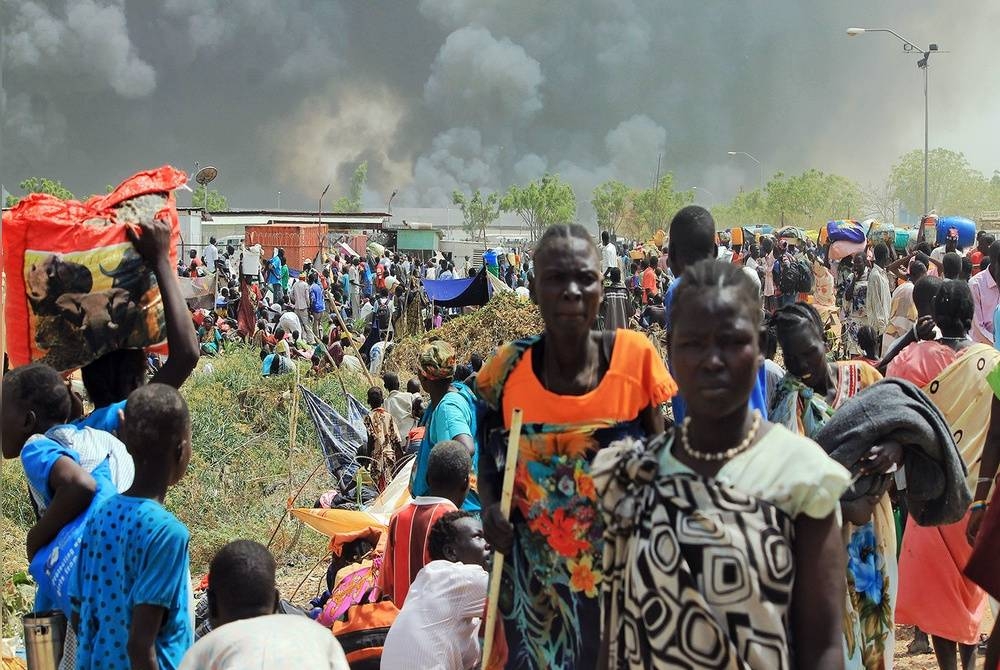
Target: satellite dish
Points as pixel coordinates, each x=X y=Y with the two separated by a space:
x=206 y=175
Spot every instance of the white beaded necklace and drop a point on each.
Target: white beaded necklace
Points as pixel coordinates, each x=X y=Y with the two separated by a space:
x=721 y=455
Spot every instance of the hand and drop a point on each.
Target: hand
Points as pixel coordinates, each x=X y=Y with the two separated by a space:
x=882 y=458
x=975 y=521
x=925 y=327
x=499 y=531
x=152 y=240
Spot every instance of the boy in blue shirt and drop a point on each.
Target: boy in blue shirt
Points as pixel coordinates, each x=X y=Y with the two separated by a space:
x=132 y=595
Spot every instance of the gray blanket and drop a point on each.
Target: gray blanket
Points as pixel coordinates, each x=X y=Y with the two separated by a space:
x=894 y=409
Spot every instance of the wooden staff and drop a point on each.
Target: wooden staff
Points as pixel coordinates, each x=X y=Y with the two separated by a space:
x=513 y=445
x=343 y=326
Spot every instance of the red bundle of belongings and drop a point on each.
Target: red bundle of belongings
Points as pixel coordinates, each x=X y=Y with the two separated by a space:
x=76 y=287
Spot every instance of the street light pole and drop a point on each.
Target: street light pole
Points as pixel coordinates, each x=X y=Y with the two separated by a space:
x=923 y=64
x=760 y=167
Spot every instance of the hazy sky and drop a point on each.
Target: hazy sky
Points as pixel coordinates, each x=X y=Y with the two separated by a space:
x=288 y=95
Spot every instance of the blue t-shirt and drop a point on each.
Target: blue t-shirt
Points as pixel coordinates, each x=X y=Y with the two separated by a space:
x=316 y=298
x=758 y=397
x=38 y=457
x=451 y=417
x=103 y=418
x=274 y=273
x=134 y=552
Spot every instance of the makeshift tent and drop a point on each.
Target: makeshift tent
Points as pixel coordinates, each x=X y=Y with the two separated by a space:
x=333 y=522
x=458 y=292
x=339 y=437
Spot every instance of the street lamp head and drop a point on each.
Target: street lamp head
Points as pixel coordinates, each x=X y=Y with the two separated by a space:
x=732 y=153
x=853 y=32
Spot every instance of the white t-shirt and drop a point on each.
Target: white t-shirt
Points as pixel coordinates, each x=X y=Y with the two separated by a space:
x=300 y=294
x=437 y=629
x=400 y=405
x=290 y=323
x=523 y=293
x=273 y=641
x=609 y=256
x=211 y=256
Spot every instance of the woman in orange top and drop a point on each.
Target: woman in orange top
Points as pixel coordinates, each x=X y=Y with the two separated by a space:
x=579 y=389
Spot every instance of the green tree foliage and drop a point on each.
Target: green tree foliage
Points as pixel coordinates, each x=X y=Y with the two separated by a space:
x=955 y=188
x=541 y=203
x=209 y=200
x=746 y=209
x=811 y=198
x=478 y=211
x=352 y=201
x=612 y=202
x=654 y=207
x=41 y=185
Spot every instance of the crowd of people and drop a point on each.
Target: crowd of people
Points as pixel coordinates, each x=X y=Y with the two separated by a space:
x=683 y=495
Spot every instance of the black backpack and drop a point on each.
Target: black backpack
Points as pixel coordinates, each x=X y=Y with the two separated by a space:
x=383 y=313
x=789 y=281
x=805 y=276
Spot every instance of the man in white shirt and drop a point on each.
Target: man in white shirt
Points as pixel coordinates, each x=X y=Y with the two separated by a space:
x=300 y=302
x=290 y=323
x=211 y=255
x=878 y=301
x=247 y=634
x=437 y=628
x=609 y=253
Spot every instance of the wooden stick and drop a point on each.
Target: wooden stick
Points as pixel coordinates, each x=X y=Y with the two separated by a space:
x=513 y=446
x=343 y=326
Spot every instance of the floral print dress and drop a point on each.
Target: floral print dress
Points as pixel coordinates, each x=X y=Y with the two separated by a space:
x=552 y=577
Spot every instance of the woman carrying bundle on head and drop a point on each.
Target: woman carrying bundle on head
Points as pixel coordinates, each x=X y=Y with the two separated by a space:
x=722 y=548
x=579 y=389
x=962 y=378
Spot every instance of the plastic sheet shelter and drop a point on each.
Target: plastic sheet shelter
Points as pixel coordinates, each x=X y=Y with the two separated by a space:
x=459 y=292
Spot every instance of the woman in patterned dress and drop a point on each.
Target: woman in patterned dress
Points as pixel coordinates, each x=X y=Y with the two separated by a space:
x=806 y=398
x=579 y=389
x=722 y=547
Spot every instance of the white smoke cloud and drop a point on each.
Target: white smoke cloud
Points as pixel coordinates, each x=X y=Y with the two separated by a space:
x=476 y=75
x=90 y=42
x=457 y=161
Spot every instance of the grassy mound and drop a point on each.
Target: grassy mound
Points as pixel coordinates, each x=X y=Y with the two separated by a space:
x=504 y=318
x=238 y=482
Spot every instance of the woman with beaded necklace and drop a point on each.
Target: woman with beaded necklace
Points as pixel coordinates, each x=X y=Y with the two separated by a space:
x=722 y=544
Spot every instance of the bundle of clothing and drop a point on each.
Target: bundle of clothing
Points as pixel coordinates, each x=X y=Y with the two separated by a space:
x=894 y=410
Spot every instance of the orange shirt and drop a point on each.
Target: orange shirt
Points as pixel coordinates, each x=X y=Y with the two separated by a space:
x=648 y=284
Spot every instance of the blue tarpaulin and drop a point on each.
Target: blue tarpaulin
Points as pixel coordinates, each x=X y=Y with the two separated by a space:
x=458 y=292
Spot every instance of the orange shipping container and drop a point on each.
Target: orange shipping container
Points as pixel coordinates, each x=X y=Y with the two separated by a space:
x=301 y=241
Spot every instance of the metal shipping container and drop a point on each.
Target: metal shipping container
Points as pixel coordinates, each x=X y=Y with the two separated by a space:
x=301 y=241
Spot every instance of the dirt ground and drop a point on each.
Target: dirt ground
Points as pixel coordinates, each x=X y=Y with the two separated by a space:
x=904 y=661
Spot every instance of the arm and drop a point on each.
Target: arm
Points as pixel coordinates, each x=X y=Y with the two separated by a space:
x=987 y=470
x=146 y=621
x=74 y=489
x=153 y=244
x=818 y=594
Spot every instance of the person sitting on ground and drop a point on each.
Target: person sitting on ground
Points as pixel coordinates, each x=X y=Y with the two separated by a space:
x=350 y=361
x=383 y=439
x=654 y=313
x=210 y=338
x=399 y=404
x=134 y=556
x=281 y=347
x=247 y=630
x=111 y=378
x=438 y=625
x=406 y=553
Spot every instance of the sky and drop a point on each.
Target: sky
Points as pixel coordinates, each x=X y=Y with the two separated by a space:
x=439 y=95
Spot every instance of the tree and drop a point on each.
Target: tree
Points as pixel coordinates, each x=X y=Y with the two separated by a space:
x=541 y=203
x=811 y=198
x=352 y=202
x=41 y=185
x=954 y=187
x=654 y=207
x=747 y=208
x=612 y=201
x=216 y=201
x=880 y=202
x=478 y=212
